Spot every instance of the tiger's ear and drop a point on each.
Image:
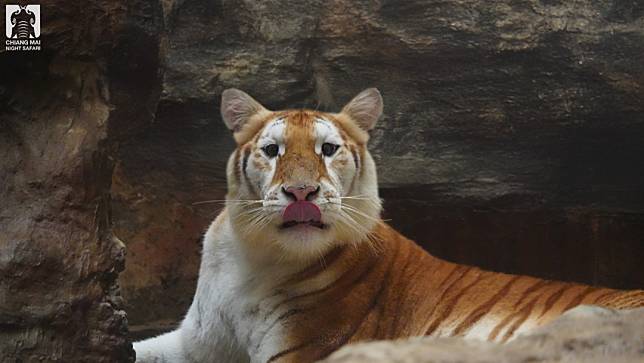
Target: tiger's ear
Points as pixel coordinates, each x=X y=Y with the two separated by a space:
x=237 y=107
x=365 y=108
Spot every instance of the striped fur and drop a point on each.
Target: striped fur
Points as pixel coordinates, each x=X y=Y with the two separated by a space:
x=266 y=294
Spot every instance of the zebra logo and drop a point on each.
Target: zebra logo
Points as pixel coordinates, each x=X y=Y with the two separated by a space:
x=22 y=21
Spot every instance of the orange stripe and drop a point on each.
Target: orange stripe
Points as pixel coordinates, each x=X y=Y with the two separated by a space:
x=599 y=299
x=484 y=308
x=579 y=298
x=526 y=313
x=552 y=299
x=452 y=302
x=534 y=288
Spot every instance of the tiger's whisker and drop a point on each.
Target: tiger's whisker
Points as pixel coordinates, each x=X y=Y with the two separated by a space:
x=249 y=201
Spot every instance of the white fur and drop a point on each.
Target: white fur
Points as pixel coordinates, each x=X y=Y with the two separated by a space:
x=482 y=329
x=273 y=133
x=225 y=321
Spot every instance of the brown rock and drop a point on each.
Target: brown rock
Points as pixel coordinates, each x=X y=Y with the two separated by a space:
x=62 y=112
x=584 y=334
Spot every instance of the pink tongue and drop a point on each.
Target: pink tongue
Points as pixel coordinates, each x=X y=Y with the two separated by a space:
x=301 y=211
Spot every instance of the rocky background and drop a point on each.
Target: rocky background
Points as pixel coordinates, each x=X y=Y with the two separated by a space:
x=512 y=139
x=63 y=112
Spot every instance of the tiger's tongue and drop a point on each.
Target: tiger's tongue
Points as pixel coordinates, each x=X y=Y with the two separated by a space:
x=301 y=211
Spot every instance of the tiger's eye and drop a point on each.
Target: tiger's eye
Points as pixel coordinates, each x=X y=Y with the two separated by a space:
x=271 y=150
x=329 y=149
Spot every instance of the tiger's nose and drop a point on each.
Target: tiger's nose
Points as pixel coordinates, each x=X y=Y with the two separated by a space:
x=301 y=192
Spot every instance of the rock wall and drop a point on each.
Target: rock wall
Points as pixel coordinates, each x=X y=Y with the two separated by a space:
x=511 y=139
x=63 y=111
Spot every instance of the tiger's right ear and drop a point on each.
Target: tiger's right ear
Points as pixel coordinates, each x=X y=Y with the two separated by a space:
x=237 y=107
x=365 y=108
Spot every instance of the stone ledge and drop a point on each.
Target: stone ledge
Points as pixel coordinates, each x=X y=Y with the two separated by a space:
x=584 y=334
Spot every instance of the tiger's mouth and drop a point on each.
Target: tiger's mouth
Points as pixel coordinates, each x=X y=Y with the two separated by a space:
x=302 y=213
x=311 y=223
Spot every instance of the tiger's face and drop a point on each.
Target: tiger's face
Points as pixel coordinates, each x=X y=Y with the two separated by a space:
x=301 y=182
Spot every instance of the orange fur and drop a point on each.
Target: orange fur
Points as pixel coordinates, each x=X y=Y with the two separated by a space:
x=402 y=291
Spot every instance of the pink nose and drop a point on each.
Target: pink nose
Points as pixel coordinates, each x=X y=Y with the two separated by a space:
x=301 y=192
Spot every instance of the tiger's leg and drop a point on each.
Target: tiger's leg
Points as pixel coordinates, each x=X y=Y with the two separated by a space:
x=165 y=348
x=195 y=341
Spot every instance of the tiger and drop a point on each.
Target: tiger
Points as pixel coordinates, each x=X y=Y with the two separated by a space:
x=299 y=262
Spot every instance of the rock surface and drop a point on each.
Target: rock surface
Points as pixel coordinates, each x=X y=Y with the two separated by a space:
x=584 y=334
x=511 y=140
x=63 y=111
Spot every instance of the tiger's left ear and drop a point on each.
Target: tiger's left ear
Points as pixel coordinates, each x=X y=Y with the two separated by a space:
x=237 y=107
x=365 y=108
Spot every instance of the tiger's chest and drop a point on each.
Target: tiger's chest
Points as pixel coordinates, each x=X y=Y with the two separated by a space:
x=243 y=305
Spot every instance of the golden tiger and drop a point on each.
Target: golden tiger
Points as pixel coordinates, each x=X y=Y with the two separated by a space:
x=299 y=262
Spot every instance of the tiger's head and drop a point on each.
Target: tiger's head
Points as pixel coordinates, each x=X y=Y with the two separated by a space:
x=301 y=182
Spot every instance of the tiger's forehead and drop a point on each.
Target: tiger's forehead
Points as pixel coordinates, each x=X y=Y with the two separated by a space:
x=300 y=126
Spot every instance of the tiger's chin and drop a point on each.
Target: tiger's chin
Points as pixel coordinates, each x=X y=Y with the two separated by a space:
x=306 y=240
x=302 y=226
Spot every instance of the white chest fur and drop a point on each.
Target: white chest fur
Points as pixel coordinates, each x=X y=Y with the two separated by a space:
x=232 y=317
